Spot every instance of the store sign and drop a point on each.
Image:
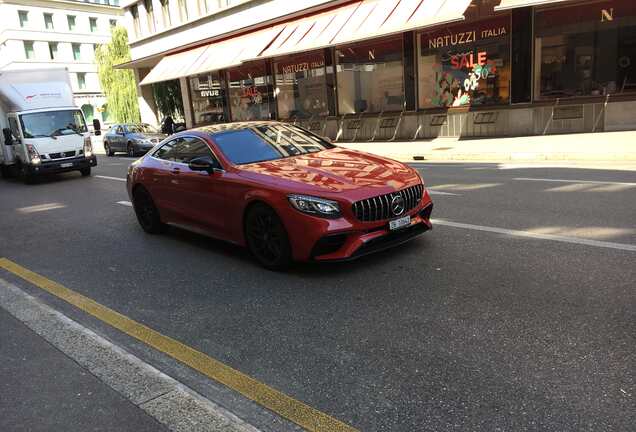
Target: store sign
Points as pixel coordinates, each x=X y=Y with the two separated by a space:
x=607 y=15
x=467 y=60
x=463 y=38
x=210 y=93
x=461 y=35
x=302 y=66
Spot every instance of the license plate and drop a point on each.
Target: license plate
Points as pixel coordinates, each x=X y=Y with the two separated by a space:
x=400 y=223
x=66 y=165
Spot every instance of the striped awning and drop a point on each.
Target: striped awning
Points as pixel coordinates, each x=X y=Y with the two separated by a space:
x=512 y=4
x=218 y=55
x=363 y=20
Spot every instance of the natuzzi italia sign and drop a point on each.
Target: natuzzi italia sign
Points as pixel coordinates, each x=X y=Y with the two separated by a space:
x=456 y=37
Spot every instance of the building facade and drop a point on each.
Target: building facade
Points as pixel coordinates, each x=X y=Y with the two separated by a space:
x=37 y=34
x=393 y=69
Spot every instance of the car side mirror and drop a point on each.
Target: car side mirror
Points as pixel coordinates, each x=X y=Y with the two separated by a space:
x=8 y=136
x=97 y=127
x=204 y=163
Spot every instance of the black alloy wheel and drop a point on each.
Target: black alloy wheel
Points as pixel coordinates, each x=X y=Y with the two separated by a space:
x=147 y=213
x=267 y=238
x=131 y=150
x=108 y=150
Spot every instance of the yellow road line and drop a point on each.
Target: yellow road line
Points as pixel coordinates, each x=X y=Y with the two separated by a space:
x=272 y=399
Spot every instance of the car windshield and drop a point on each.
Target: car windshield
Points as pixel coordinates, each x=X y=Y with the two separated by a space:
x=267 y=142
x=53 y=123
x=141 y=128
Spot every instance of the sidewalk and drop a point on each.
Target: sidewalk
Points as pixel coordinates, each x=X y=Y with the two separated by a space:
x=591 y=147
x=44 y=390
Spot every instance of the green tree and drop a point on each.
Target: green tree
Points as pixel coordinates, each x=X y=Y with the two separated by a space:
x=168 y=98
x=118 y=84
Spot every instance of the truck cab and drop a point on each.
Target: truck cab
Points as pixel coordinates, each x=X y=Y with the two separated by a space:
x=42 y=132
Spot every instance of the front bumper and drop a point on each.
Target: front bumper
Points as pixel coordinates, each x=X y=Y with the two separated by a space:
x=64 y=165
x=343 y=240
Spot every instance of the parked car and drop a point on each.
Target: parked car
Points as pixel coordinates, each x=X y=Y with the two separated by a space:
x=280 y=190
x=133 y=139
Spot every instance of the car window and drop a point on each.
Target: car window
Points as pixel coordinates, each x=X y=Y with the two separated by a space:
x=119 y=130
x=267 y=142
x=189 y=148
x=166 y=151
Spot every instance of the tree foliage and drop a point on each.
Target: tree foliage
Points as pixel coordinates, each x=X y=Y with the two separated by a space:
x=118 y=84
x=168 y=98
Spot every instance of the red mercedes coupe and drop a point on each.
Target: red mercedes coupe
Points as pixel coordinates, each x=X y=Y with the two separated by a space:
x=282 y=191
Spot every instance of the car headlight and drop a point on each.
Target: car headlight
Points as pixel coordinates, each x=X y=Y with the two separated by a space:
x=315 y=206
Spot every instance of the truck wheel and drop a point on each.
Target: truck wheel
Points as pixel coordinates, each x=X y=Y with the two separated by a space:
x=4 y=171
x=108 y=150
x=86 y=172
x=26 y=176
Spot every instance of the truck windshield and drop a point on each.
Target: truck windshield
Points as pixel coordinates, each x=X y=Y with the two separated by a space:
x=52 y=123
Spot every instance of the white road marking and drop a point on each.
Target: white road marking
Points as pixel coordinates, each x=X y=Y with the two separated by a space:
x=573 y=181
x=41 y=208
x=110 y=178
x=125 y=203
x=536 y=236
x=435 y=192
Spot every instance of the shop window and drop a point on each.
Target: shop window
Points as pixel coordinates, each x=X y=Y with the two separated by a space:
x=370 y=77
x=465 y=65
x=586 y=51
x=250 y=88
x=301 y=86
x=207 y=93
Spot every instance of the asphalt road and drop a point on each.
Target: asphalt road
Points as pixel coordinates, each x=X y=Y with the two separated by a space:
x=465 y=328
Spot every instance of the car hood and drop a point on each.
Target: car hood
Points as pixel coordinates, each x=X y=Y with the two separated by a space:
x=334 y=171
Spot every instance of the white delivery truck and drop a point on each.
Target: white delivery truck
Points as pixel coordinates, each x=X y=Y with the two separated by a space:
x=42 y=130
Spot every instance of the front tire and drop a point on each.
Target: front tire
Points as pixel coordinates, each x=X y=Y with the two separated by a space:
x=147 y=213
x=108 y=150
x=85 y=172
x=267 y=238
x=130 y=150
x=25 y=175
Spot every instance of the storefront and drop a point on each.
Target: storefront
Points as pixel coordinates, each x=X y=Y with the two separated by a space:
x=585 y=51
x=301 y=86
x=209 y=102
x=509 y=67
x=465 y=65
x=370 y=76
x=250 y=92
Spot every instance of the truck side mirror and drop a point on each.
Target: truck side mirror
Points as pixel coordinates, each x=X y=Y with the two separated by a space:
x=97 y=127
x=8 y=136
